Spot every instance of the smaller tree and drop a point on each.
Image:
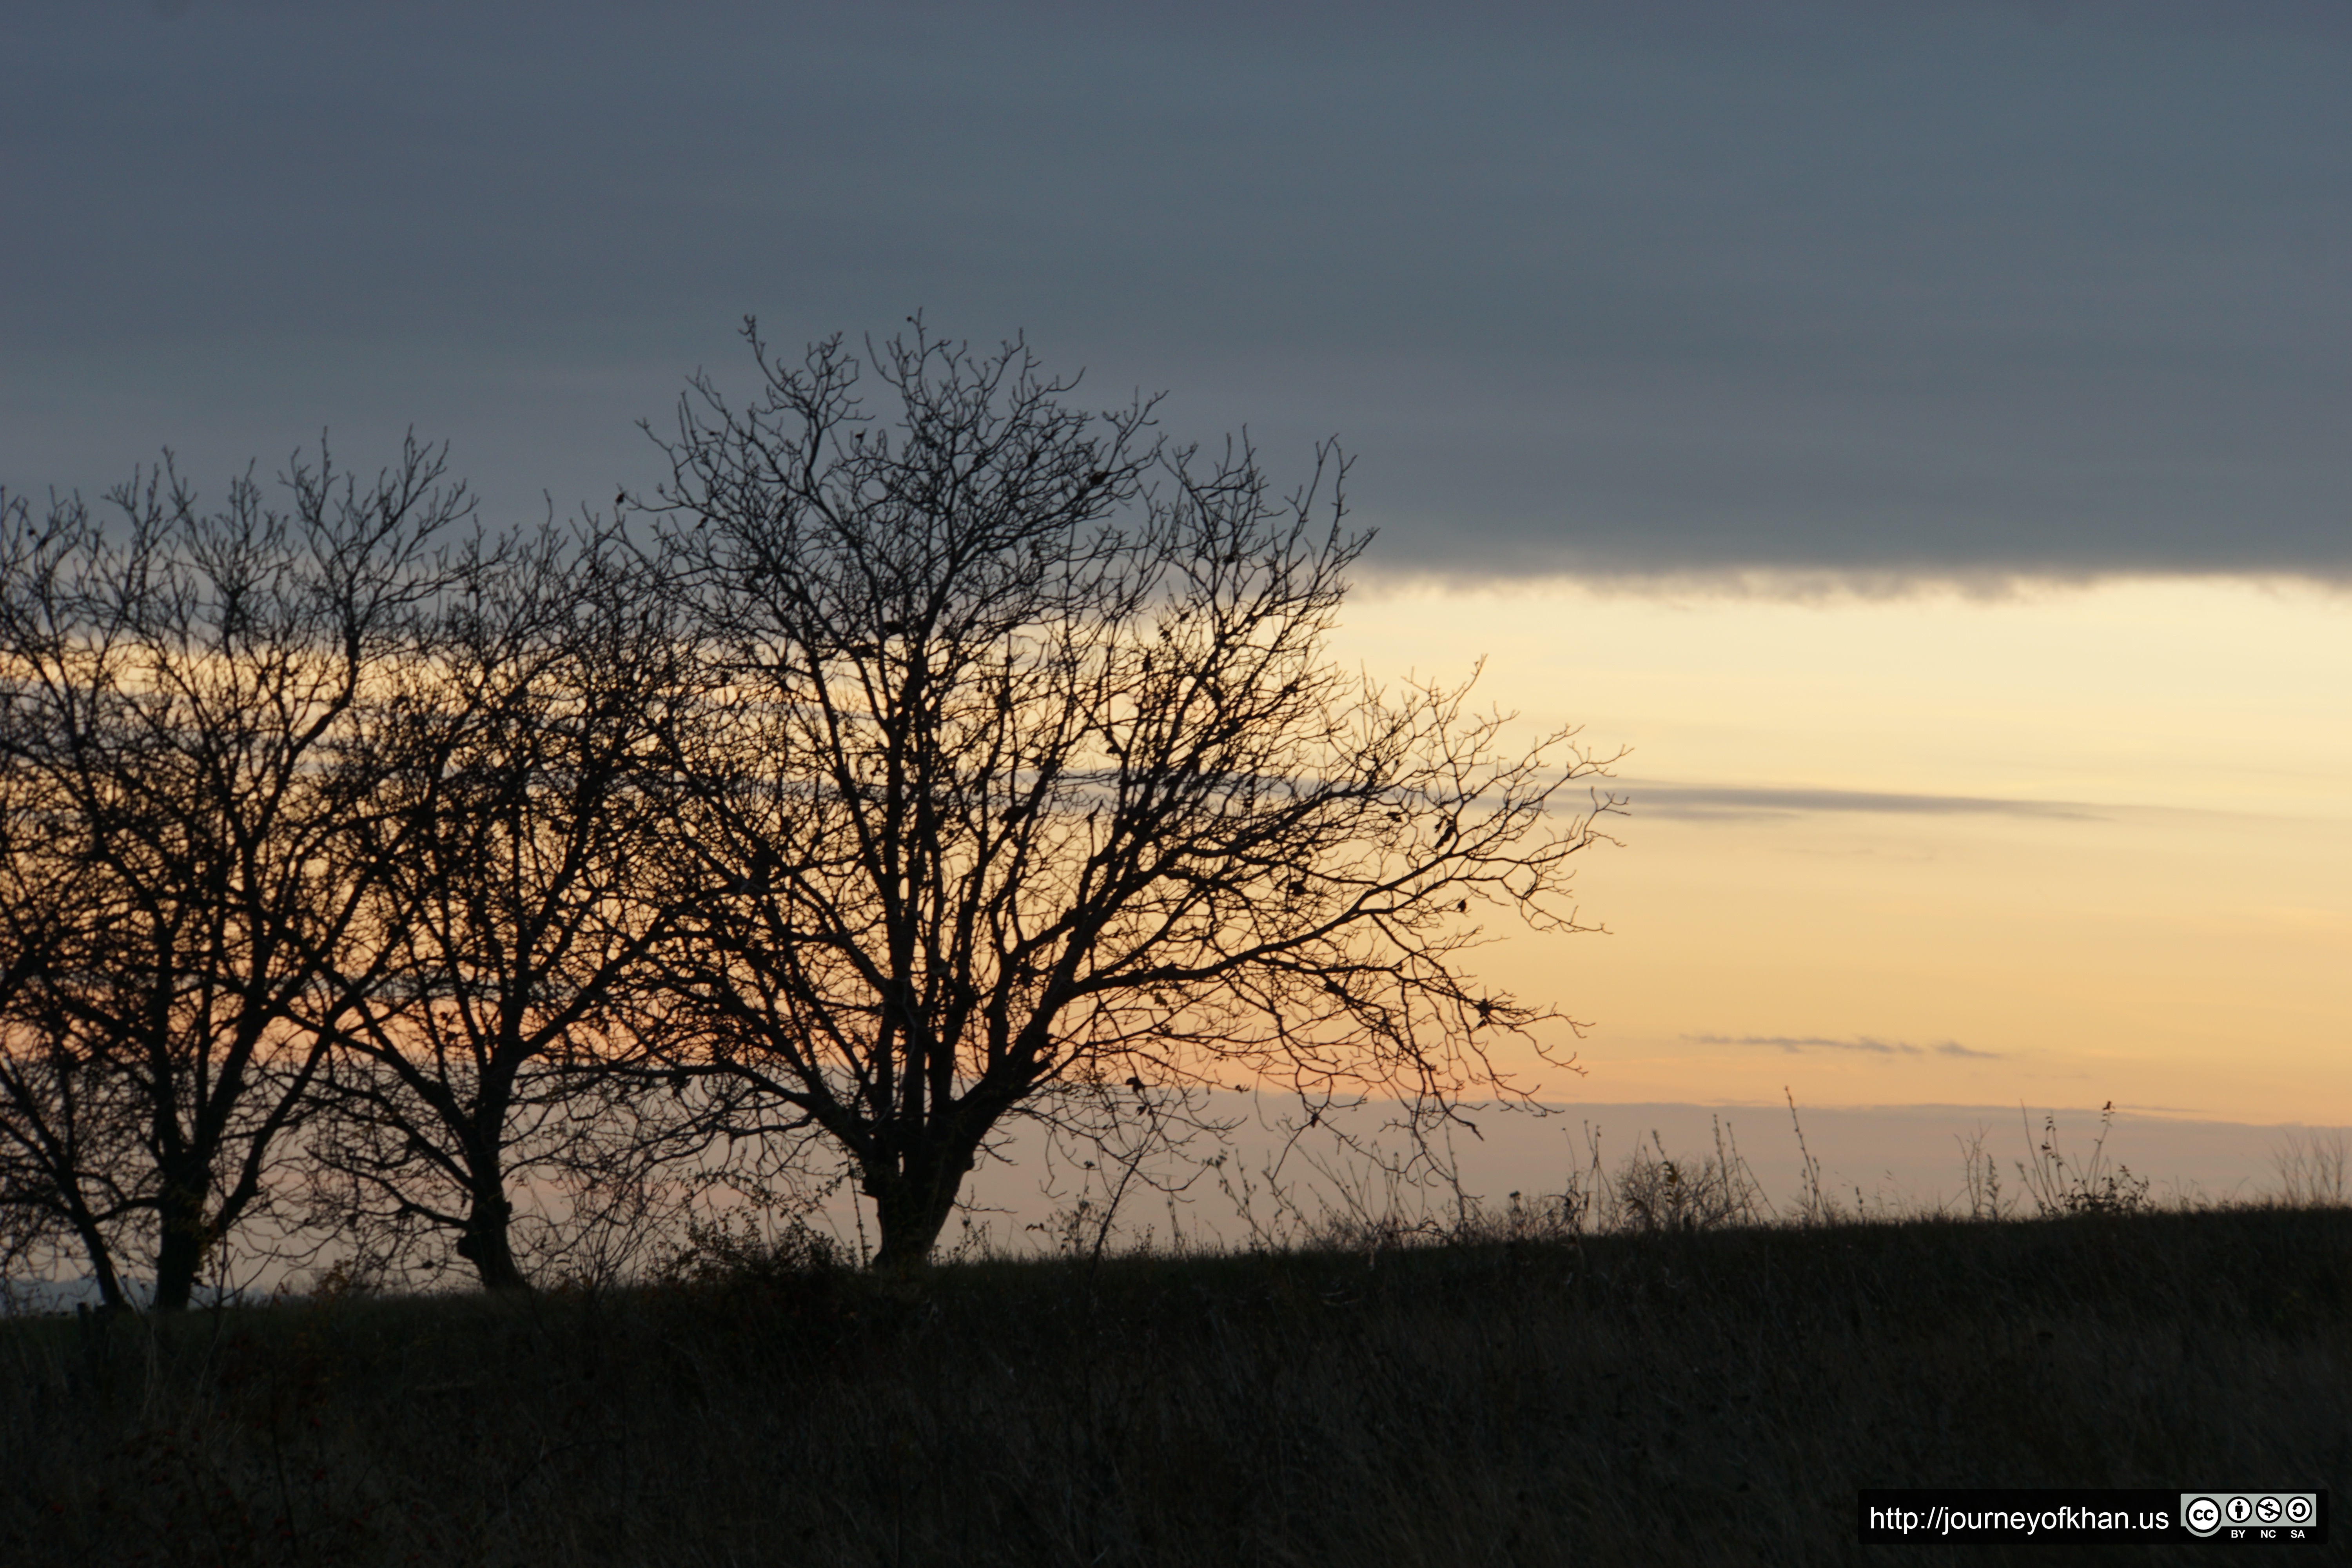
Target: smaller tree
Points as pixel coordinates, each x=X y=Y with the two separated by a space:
x=1021 y=779
x=181 y=691
x=521 y=893
x=61 y=1132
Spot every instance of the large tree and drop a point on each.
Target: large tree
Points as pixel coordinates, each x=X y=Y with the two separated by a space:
x=1019 y=770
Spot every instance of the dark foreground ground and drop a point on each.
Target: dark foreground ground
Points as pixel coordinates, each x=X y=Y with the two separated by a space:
x=1705 y=1398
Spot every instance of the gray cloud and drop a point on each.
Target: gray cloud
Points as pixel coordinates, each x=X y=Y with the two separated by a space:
x=1864 y=1044
x=1731 y=801
x=1683 y=288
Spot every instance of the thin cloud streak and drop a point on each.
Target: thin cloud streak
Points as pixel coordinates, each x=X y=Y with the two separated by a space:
x=1862 y=1044
x=1736 y=801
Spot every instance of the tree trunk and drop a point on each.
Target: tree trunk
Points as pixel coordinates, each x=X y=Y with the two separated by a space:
x=485 y=1243
x=180 y=1248
x=101 y=1267
x=911 y=1205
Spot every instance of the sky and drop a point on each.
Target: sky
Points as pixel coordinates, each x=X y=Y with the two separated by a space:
x=2071 y=846
x=1918 y=432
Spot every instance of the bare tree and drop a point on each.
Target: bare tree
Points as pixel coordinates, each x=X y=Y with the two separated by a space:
x=520 y=896
x=61 y=1132
x=1019 y=771
x=178 y=686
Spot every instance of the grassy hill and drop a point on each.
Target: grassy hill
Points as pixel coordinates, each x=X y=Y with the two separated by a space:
x=1706 y=1398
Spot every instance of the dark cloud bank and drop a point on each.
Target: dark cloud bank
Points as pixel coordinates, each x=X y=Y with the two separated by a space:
x=1887 y=290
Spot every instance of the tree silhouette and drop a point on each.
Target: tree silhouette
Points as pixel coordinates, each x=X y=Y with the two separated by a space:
x=518 y=901
x=177 y=692
x=1017 y=774
x=61 y=1133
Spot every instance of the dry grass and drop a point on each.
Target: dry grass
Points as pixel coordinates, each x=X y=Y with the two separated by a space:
x=2311 y=1169
x=1678 y=1395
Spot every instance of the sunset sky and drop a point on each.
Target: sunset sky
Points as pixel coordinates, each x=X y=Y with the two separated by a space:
x=1918 y=433
x=2067 y=846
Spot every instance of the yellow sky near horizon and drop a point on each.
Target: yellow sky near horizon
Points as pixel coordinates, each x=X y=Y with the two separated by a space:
x=2102 y=847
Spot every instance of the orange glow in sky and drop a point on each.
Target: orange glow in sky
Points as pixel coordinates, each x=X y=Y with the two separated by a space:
x=2066 y=846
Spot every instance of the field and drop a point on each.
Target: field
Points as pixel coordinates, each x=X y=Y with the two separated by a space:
x=1512 y=1394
